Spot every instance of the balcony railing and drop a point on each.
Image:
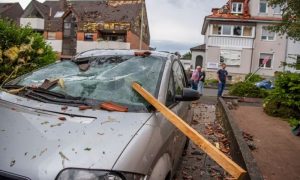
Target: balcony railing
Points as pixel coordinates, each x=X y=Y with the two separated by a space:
x=88 y=45
x=34 y=23
x=236 y=42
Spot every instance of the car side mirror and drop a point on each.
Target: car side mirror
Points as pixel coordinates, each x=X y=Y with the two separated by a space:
x=188 y=95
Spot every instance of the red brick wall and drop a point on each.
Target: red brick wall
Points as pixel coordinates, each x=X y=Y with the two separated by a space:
x=59 y=35
x=134 y=41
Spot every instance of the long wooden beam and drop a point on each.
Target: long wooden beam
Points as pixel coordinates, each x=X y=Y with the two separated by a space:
x=226 y=163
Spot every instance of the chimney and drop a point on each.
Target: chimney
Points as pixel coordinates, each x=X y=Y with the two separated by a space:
x=63 y=4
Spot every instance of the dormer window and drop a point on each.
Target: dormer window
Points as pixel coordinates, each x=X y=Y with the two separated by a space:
x=237 y=7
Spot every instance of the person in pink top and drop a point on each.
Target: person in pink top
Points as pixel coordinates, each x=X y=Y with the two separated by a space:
x=195 y=78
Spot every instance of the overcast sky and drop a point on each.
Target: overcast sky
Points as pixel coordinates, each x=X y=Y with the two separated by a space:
x=175 y=25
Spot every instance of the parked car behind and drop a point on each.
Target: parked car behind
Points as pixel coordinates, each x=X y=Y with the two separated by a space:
x=51 y=126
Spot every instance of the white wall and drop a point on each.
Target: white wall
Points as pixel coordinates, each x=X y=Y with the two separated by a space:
x=254 y=10
x=55 y=44
x=88 y=45
x=186 y=63
x=277 y=47
x=194 y=56
x=34 y=23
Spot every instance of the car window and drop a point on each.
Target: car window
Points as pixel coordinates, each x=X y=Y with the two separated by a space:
x=171 y=92
x=176 y=83
x=108 y=78
x=179 y=79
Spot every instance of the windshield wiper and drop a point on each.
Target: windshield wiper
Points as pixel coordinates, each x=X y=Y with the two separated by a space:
x=48 y=96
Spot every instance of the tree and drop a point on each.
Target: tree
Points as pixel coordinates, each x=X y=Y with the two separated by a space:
x=187 y=55
x=290 y=23
x=21 y=50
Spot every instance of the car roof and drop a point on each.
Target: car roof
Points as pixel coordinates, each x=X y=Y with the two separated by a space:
x=100 y=52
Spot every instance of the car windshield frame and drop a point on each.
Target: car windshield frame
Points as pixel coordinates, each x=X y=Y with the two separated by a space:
x=138 y=103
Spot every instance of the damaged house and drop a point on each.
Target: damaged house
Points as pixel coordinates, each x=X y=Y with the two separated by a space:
x=75 y=26
x=237 y=35
x=11 y=11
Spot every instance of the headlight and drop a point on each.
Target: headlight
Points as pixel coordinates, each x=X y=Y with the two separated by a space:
x=80 y=174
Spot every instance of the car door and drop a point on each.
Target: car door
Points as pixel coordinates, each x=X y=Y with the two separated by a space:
x=176 y=84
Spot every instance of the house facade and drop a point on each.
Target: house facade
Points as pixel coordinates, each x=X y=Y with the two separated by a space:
x=11 y=11
x=237 y=35
x=198 y=56
x=75 y=26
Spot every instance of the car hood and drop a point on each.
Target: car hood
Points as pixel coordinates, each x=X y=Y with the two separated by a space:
x=38 y=140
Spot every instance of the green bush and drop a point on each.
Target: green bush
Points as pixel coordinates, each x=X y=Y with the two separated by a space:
x=21 y=51
x=284 y=100
x=247 y=89
x=211 y=81
x=255 y=78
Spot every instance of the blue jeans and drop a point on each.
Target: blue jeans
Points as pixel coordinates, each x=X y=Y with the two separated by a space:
x=200 y=87
x=194 y=85
x=221 y=87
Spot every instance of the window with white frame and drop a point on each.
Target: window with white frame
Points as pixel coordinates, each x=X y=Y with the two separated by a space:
x=267 y=35
x=263 y=6
x=51 y=35
x=226 y=30
x=230 y=30
x=277 y=9
x=247 y=31
x=216 y=30
x=237 y=7
x=265 y=60
x=231 y=57
x=237 y=30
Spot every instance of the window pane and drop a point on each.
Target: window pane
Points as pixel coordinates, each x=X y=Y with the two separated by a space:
x=237 y=7
x=277 y=9
x=88 y=36
x=263 y=56
x=267 y=35
x=237 y=30
x=179 y=79
x=247 y=31
x=51 y=35
x=217 y=29
x=226 y=30
x=234 y=7
x=170 y=94
x=263 y=7
x=231 y=57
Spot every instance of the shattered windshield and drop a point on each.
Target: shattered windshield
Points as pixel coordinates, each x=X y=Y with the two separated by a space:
x=102 y=78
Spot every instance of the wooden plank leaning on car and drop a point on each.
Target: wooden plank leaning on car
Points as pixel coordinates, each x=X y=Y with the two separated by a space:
x=231 y=167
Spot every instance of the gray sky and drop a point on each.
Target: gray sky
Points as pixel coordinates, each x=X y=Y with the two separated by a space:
x=175 y=25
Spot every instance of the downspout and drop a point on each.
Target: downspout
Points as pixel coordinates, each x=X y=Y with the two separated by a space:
x=142 y=24
x=252 y=53
x=286 y=53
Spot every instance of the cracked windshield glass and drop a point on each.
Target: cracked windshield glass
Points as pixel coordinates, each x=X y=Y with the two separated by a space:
x=103 y=78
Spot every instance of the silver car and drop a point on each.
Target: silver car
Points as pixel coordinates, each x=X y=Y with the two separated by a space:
x=52 y=125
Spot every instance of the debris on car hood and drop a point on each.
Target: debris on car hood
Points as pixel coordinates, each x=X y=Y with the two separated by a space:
x=48 y=138
x=113 y=107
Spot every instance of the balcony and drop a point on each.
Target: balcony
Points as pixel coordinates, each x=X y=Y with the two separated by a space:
x=235 y=42
x=34 y=23
x=88 y=45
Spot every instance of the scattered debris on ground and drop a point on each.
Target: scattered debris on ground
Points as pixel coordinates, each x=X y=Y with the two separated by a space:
x=249 y=140
x=195 y=163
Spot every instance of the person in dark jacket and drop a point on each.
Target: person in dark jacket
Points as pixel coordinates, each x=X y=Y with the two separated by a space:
x=222 y=75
